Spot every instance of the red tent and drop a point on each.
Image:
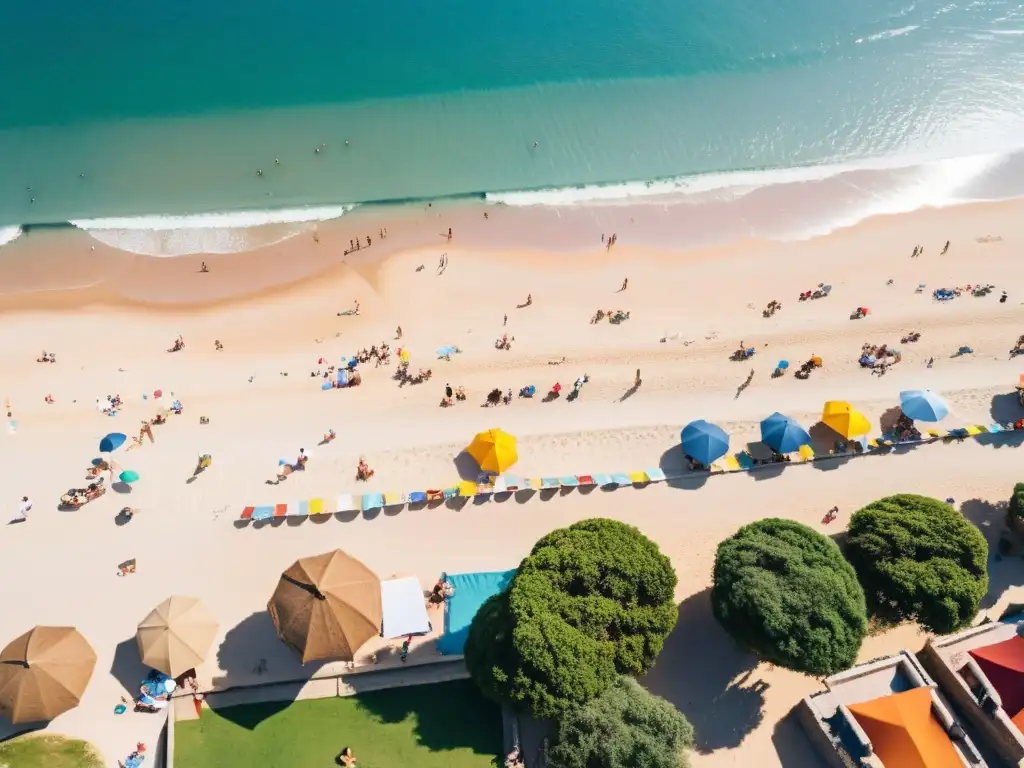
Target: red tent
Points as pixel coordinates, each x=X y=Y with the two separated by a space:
x=1003 y=665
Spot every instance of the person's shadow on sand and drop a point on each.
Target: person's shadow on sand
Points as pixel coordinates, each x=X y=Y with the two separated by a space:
x=708 y=678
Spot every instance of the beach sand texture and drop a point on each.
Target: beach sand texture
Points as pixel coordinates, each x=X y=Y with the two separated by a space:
x=60 y=567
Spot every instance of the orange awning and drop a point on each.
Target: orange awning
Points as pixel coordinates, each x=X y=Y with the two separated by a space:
x=905 y=733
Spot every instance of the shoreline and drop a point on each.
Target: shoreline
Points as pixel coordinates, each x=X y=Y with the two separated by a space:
x=67 y=269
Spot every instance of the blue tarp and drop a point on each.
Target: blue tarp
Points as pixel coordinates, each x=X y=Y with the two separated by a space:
x=342 y=377
x=471 y=591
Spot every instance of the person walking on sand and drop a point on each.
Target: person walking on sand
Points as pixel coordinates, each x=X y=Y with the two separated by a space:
x=203 y=267
x=625 y=284
x=449 y=234
x=945 y=248
x=637 y=381
x=398 y=332
x=23 y=509
x=448 y=393
x=504 y=322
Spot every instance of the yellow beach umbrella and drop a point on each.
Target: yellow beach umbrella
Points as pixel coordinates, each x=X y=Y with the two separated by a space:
x=843 y=418
x=494 y=450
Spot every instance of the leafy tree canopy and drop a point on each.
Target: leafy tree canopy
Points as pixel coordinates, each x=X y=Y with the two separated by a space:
x=1016 y=506
x=589 y=601
x=624 y=727
x=784 y=591
x=919 y=559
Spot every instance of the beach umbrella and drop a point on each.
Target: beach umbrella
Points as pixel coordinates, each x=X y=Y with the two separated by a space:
x=327 y=606
x=44 y=673
x=128 y=476
x=923 y=405
x=703 y=441
x=494 y=450
x=783 y=434
x=112 y=442
x=176 y=635
x=841 y=417
x=783 y=365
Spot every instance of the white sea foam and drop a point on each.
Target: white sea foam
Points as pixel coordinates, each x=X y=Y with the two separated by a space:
x=715 y=185
x=7 y=234
x=167 y=236
x=888 y=34
x=937 y=184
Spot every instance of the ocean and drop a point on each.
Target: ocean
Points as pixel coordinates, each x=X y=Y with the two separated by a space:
x=134 y=120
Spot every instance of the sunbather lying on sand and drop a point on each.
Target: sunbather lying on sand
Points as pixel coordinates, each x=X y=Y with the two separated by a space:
x=363 y=471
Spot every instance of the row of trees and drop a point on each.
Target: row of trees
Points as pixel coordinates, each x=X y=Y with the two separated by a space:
x=588 y=609
x=591 y=605
x=790 y=595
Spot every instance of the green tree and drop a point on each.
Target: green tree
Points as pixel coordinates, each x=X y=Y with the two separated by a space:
x=624 y=727
x=1015 y=509
x=919 y=559
x=784 y=591
x=589 y=601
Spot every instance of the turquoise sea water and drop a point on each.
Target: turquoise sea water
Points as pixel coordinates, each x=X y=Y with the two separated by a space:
x=154 y=109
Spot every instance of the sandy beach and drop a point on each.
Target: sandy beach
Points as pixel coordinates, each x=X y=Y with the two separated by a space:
x=109 y=317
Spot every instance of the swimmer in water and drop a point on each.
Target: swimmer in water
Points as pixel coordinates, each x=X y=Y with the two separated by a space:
x=535 y=145
x=277 y=161
x=346 y=142
x=259 y=172
x=316 y=151
x=324 y=145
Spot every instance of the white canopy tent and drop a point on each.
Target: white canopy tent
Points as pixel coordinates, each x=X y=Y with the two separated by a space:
x=404 y=608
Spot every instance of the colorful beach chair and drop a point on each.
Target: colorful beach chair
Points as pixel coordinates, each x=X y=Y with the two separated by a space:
x=372 y=501
x=806 y=453
x=392 y=499
x=639 y=478
x=655 y=475
x=533 y=483
x=246 y=513
x=975 y=429
x=585 y=480
x=345 y=503
x=621 y=479
x=732 y=464
x=512 y=482
x=602 y=479
x=547 y=483
x=568 y=481
x=263 y=513
x=467 y=489
x=745 y=460
x=417 y=497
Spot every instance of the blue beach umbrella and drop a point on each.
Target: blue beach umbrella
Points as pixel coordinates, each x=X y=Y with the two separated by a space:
x=783 y=434
x=923 y=405
x=783 y=365
x=112 y=442
x=128 y=476
x=703 y=441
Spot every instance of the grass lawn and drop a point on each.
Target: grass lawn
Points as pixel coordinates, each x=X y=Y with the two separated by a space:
x=48 y=752
x=447 y=725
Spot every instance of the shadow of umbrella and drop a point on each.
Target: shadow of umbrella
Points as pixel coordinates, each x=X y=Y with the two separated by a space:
x=120 y=487
x=252 y=654
x=466 y=466
x=127 y=667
